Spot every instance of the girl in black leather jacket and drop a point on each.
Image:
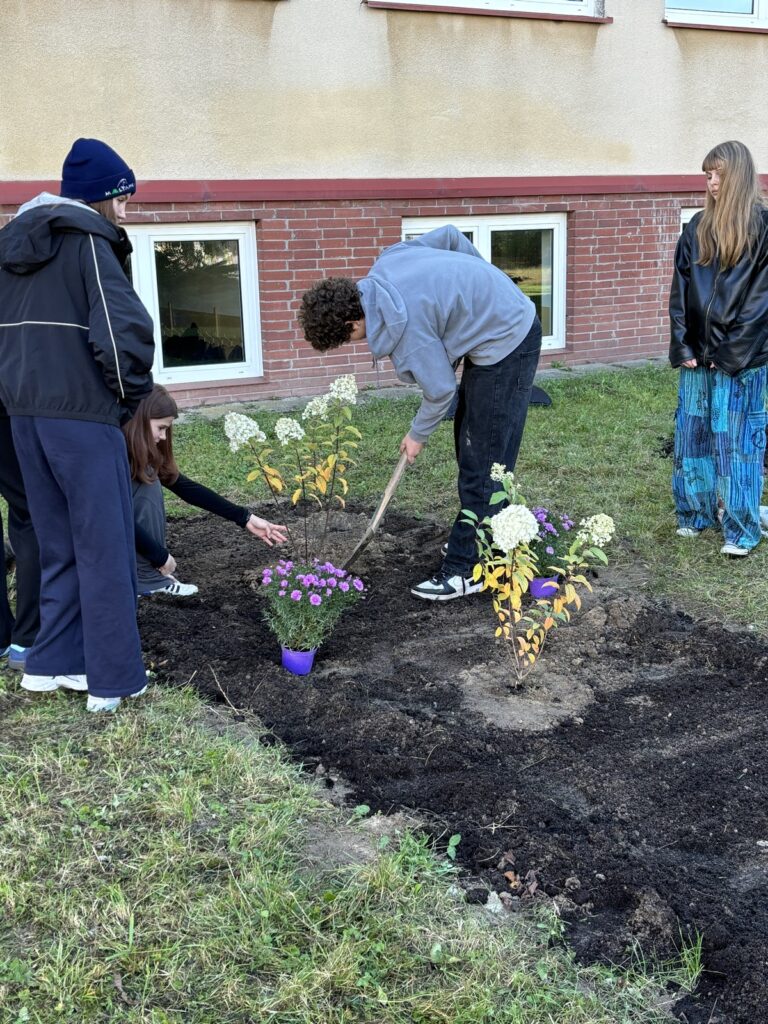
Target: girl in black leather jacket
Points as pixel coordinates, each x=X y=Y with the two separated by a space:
x=719 y=339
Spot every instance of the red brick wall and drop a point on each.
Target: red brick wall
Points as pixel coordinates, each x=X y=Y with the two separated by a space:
x=619 y=261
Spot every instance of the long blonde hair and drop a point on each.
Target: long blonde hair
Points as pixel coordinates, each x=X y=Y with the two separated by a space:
x=728 y=228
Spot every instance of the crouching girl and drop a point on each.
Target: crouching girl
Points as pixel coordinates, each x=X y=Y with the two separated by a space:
x=149 y=436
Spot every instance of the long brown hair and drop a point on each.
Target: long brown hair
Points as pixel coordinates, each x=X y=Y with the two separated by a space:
x=106 y=208
x=728 y=227
x=150 y=461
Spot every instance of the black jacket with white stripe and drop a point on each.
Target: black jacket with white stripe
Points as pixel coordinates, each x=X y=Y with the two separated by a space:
x=75 y=340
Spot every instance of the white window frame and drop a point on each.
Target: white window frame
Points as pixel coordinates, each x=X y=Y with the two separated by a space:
x=574 y=8
x=143 y=238
x=687 y=213
x=482 y=227
x=758 y=19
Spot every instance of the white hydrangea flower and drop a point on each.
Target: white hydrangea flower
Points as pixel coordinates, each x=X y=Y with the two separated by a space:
x=597 y=530
x=513 y=526
x=287 y=429
x=317 y=407
x=241 y=429
x=345 y=389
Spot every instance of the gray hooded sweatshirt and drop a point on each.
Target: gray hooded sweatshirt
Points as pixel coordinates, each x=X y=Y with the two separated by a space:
x=430 y=302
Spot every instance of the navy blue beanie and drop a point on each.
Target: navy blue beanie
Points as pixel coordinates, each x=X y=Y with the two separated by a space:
x=93 y=171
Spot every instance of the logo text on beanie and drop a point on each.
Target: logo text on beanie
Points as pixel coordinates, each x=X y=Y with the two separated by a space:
x=122 y=186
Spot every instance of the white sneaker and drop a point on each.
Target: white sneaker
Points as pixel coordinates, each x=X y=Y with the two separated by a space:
x=109 y=703
x=47 y=684
x=443 y=587
x=734 y=550
x=687 y=531
x=175 y=588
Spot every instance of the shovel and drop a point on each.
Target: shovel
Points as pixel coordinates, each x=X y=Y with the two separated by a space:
x=389 y=490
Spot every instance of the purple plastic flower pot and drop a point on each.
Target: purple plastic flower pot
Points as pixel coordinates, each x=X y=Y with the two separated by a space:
x=543 y=586
x=298 y=662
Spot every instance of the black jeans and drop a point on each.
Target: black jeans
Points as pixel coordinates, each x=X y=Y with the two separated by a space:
x=488 y=427
x=23 y=629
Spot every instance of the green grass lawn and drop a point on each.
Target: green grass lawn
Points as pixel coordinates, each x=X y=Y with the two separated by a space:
x=160 y=866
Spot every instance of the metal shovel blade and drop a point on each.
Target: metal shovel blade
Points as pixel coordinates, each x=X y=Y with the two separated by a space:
x=370 y=530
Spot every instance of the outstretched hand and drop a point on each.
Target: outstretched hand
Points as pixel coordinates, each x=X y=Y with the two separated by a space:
x=270 y=533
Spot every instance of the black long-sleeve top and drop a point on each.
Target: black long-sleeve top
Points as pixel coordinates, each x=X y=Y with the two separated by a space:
x=196 y=494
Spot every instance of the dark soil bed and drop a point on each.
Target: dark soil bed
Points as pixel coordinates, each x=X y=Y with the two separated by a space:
x=626 y=779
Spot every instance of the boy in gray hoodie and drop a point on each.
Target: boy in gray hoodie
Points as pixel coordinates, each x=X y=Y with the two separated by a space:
x=428 y=304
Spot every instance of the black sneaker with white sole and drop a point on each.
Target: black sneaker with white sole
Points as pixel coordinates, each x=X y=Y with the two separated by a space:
x=445 y=587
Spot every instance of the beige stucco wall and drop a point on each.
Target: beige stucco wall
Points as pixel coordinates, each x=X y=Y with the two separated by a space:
x=332 y=88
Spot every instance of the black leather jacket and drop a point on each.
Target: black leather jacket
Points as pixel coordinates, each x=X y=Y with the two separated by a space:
x=720 y=316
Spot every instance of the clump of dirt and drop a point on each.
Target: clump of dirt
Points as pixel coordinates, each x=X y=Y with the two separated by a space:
x=625 y=780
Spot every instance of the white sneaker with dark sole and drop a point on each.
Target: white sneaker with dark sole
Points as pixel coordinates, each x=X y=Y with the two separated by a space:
x=47 y=684
x=734 y=550
x=687 y=531
x=443 y=587
x=109 y=703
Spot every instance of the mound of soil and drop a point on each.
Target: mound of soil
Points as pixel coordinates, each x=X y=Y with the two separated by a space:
x=625 y=779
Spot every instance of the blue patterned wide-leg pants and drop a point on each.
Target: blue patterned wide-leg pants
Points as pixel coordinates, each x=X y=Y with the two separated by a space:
x=719 y=447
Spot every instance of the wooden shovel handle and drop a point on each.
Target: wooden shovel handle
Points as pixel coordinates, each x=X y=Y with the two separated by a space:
x=389 y=490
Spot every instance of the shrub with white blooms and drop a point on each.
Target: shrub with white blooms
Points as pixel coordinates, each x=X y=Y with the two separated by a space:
x=513 y=526
x=344 y=388
x=500 y=474
x=596 y=530
x=287 y=429
x=241 y=429
x=317 y=407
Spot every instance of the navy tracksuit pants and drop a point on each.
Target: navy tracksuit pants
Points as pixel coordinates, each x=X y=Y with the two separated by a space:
x=78 y=487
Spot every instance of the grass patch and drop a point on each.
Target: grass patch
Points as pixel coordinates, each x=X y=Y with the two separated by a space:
x=156 y=871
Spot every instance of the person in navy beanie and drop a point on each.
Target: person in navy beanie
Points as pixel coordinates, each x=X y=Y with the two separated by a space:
x=94 y=172
x=76 y=352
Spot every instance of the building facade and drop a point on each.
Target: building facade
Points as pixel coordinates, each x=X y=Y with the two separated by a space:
x=280 y=141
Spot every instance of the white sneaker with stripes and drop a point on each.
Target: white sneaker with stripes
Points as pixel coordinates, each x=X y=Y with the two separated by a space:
x=175 y=588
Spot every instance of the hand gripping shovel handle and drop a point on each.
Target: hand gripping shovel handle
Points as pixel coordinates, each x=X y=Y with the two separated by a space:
x=389 y=490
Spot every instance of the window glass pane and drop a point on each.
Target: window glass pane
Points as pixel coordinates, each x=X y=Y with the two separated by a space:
x=526 y=256
x=198 y=291
x=713 y=6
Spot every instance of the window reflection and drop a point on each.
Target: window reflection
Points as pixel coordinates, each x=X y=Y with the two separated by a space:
x=526 y=257
x=198 y=290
